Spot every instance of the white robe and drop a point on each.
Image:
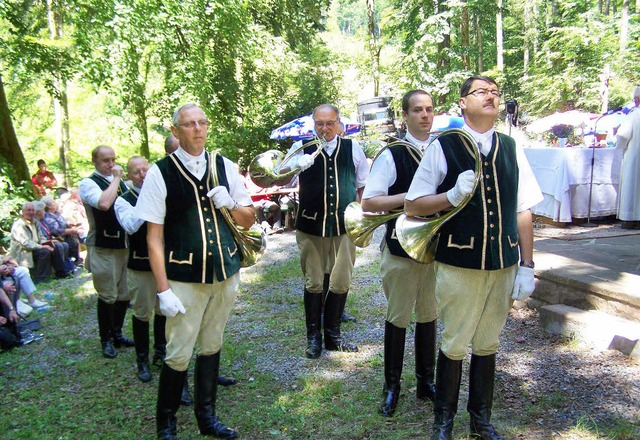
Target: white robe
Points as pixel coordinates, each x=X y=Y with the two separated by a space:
x=628 y=139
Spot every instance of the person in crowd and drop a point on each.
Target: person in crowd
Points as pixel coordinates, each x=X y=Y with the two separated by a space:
x=16 y=279
x=140 y=281
x=171 y=144
x=477 y=275
x=29 y=247
x=73 y=211
x=628 y=139
x=43 y=180
x=327 y=185
x=55 y=222
x=266 y=210
x=407 y=284
x=60 y=262
x=106 y=248
x=9 y=334
x=195 y=262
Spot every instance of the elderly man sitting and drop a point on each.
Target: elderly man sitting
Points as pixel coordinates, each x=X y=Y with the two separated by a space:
x=29 y=247
x=16 y=279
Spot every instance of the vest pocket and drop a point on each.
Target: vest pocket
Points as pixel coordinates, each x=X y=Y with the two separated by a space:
x=137 y=256
x=304 y=214
x=106 y=234
x=513 y=240
x=178 y=257
x=460 y=241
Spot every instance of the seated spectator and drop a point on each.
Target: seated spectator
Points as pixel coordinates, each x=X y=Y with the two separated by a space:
x=73 y=210
x=60 y=256
x=268 y=212
x=29 y=247
x=16 y=279
x=57 y=224
x=43 y=180
x=9 y=335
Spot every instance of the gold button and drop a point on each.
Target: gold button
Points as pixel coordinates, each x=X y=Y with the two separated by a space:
x=493 y=238
x=208 y=220
x=201 y=187
x=488 y=188
x=210 y=253
x=206 y=209
x=488 y=200
x=330 y=186
x=491 y=225
x=487 y=176
x=490 y=212
x=203 y=198
x=211 y=241
x=486 y=164
x=209 y=231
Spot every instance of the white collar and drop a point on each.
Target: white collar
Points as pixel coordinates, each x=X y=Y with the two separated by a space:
x=417 y=142
x=484 y=140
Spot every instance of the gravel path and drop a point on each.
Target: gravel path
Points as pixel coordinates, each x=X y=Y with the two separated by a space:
x=548 y=383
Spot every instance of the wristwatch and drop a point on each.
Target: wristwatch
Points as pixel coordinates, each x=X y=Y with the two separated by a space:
x=235 y=207
x=528 y=263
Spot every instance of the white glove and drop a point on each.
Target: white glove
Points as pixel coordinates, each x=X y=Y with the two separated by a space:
x=170 y=305
x=524 y=285
x=464 y=186
x=305 y=162
x=221 y=198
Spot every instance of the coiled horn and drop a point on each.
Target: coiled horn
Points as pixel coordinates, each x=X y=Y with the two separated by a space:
x=267 y=168
x=418 y=235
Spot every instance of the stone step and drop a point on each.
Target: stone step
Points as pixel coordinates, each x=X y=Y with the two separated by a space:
x=599 y=329
x=586 y=286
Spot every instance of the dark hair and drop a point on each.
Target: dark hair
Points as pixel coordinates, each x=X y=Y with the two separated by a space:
x=41 y=162
x=407 y=96
x=466 y=86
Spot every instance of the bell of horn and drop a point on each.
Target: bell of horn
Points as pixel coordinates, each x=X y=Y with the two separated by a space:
x=267 y=168
x=360 y=225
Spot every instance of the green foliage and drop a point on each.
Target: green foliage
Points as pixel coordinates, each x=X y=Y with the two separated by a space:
x=11 y=200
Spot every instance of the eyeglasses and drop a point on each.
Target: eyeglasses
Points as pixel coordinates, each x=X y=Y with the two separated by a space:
x=192 y=124
x=327 y=124
x=481 y=93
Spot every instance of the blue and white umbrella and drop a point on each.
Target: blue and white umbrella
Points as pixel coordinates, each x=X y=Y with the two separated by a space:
x=303 y=128
x=445 y=122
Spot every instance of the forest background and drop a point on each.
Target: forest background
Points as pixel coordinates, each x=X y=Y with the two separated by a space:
x=77 y=74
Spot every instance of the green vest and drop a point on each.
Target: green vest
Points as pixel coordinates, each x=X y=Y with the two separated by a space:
x=484 y=234
x=198 y=242
x=326 y=188
x=406 y=162
x=138 y=250
x=108 y=232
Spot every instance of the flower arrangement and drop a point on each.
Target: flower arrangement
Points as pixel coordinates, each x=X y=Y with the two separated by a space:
x=562 y=130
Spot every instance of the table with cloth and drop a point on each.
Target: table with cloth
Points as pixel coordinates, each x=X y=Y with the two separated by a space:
x=564 y=175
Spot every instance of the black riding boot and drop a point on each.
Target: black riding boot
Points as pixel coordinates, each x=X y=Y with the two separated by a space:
x=448 y=376
x=186 y=398
x=159 y=340
x=312 y=311
x=333 y=308
x=141 y=339
x=425 y=343
x=393 y=357
x=119 y=313
x=105 y=326
x=481 y=380
x=169 y=389
x=205 y=391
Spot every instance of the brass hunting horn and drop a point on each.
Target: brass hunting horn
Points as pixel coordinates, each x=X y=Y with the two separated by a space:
x=360 y=224
x=418 y=235
x=267 y=168
x=251 y=242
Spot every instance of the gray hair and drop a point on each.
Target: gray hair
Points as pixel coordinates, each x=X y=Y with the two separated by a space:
x=47 y=200
x=24 y=205
x=38 y=205
x=176 y=114
x=326 y=106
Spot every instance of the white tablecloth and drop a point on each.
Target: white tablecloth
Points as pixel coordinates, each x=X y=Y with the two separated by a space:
x=564 y=175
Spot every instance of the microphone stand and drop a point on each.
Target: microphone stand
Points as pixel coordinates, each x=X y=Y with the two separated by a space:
x=588 y=224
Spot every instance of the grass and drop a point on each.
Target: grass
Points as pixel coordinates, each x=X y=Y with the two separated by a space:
x=62 y=388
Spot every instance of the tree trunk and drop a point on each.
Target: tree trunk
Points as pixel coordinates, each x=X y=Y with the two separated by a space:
x=624 y=26
x=499 y=39
x=374 y=50
x=60 y=106
x=480 y=44
x=464 y=36
x=9 y=146
x=527 y=38
x=443 y=50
